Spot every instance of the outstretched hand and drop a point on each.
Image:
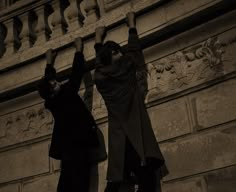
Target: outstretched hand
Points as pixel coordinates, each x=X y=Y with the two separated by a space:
x=78 y=44
x=131 y=21
x=51 y=56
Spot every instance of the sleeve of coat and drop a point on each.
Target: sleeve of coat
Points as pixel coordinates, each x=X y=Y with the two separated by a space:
x=78 y=69
x=98 y=47
x=134 y=50
x=50 y=72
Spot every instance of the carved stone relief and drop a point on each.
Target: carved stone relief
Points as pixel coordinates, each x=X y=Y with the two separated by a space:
x=185 y=68
x=25 y=125
x=99 y=108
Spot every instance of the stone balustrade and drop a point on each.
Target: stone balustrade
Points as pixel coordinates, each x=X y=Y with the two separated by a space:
x=42 y=22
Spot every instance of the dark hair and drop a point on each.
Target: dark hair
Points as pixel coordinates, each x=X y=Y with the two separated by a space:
x=44 y=89
x=105 y=54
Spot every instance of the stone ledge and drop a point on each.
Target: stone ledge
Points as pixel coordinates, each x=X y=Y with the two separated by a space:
x=199 y=153
x=10 y=188
x=214 y=181
x=24 y=162
x=41 y=184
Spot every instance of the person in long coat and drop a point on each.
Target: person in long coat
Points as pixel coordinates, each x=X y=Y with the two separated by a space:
x=74 y=133
x=132 y=148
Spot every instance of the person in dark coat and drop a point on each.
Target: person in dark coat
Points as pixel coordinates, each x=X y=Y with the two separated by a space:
x=133 y=149
x=74 y=133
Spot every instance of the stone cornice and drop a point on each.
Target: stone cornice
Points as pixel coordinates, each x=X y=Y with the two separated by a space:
x=20 y=7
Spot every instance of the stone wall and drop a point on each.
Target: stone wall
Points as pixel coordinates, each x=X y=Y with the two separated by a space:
x=189 y=49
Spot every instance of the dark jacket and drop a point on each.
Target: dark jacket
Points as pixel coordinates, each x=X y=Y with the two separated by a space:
x=127 y=114
x=74 y=126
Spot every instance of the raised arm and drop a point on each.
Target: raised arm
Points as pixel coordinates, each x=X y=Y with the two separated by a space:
x=100 y=33
x=134 y=50
x=134 y=46
x=50 y=72
x=78 y=66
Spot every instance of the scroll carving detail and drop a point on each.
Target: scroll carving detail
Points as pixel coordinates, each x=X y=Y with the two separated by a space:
x=191 y=66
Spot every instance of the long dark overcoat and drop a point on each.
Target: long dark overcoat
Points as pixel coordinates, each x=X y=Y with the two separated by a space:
x=74 y=126
x=127 y=114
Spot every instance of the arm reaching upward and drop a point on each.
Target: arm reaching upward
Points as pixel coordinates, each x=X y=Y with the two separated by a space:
x=134 y=46
x=50 y=72
x=100 y=34
x=134 y=50
x=78 y=66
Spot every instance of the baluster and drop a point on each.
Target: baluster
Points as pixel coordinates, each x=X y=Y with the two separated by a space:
x=26 y=34
x=42 y=28
x=74 y=16
x=58 y=22
x=91 y=8
x=2 y=37
x=10 y=36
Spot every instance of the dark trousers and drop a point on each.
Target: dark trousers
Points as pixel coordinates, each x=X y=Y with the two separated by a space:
x=75 y=174
x=146 y=177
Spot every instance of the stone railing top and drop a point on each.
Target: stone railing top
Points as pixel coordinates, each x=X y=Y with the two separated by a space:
x=20 y=7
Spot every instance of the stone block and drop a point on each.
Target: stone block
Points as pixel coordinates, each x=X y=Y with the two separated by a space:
x=191 y=5
x=10 y=188
x=215 y=105
x=223 y=180
x=200 y=153
x=24 y=162
x=151 y=20
x=170 y=119
x=174 y=9
x=193 y=185
x=42 y=184
x=25 y=124
x=228 y=39
x=19 y=103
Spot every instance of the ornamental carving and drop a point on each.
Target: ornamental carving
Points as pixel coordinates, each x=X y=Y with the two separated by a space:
x=99 y=108
x=25 y=125
x=186 y=68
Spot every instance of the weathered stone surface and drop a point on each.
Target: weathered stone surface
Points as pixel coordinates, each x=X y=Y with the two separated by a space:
x=215 y=105
x=99 y=108
x=19 y=103
x=223 y=27
x=112 y=4
x=170 y=119
x=175 y=9
x=186 y=68
x=229 y=57
x=189 y=185
x=24 y=162
x=42 y=184
x=223 y=180
x=25 y=124
x=200 y=153
x=10 y=188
